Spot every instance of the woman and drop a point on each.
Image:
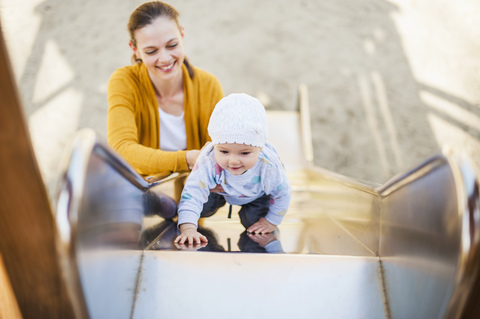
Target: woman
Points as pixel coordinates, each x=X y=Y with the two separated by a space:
x=159 y=107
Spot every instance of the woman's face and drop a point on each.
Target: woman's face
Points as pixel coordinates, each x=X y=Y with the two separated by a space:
x=160 y=47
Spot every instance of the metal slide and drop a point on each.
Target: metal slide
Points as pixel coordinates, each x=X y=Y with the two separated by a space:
x=346 y=249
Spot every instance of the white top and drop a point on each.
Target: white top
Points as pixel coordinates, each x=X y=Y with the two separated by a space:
x=173 y=136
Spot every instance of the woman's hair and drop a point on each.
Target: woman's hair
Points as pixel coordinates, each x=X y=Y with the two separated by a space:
x=144 y=15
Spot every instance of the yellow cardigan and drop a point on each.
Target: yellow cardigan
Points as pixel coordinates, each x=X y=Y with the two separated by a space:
x=133 y=126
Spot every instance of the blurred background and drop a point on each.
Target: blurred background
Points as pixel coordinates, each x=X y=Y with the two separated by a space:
x=390 y=82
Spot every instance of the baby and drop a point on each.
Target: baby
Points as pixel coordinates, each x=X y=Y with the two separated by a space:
x=243 y=163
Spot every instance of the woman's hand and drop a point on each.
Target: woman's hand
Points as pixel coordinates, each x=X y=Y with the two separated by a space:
x=190 y=235
x=218 y=189
x=263 y=226
x=191 y=157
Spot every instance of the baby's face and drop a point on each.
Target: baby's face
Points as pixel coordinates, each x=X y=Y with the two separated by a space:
x=236 y=158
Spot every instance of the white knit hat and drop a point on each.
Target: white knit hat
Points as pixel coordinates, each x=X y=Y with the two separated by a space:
x=239 y=118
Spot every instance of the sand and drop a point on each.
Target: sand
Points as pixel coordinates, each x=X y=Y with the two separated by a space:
x=390 y=82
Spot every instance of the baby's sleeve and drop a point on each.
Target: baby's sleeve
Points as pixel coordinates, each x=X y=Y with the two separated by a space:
x=274 y=247
x=280 y=191
x=196 y=191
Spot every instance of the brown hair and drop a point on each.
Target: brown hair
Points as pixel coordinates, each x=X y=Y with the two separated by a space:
x=144 y=15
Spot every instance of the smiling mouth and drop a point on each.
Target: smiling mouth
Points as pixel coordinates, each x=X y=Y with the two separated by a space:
x=167 y=68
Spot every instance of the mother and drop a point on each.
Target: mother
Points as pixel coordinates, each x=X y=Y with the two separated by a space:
x=159 y=107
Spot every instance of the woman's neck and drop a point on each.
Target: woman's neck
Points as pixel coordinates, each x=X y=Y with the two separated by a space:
x=167 y=89
x=169 y=94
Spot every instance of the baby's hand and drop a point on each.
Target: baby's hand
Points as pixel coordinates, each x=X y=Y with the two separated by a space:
x=190 y=235
x=263 y=226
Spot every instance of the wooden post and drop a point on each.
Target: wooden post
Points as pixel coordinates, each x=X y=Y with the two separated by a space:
x=27 y=241
x=8 y=303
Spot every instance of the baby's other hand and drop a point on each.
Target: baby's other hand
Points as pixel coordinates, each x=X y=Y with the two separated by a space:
x=263 y=226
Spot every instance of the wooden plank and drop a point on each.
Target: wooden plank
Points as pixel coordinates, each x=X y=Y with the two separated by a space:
x=27 y=241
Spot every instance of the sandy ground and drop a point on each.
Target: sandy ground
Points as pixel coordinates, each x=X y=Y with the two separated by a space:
x=390 y=82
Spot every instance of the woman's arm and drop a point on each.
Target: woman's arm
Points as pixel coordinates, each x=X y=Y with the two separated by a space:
x=128 y=108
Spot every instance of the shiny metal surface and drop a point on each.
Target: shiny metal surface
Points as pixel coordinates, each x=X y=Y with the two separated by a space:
x=429 y=237
x=346 y=248
x=216 y=285
x=100 y=210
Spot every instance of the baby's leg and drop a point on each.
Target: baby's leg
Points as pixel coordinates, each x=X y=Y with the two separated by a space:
x=250 y=213
x=215 y=201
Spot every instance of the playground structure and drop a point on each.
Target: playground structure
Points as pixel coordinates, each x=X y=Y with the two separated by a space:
x=347 y=248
